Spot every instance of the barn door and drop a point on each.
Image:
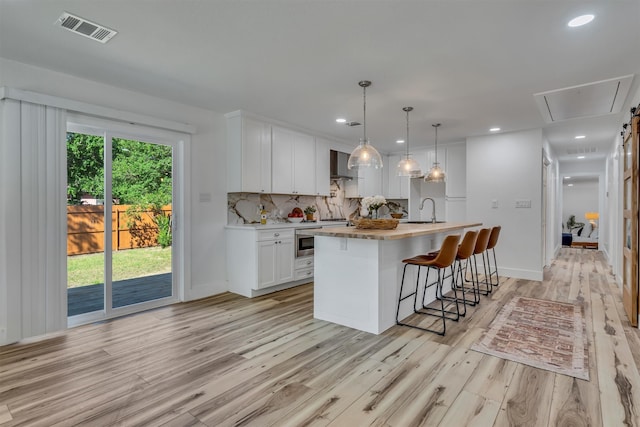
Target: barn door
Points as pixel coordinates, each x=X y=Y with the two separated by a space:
x=630 y=222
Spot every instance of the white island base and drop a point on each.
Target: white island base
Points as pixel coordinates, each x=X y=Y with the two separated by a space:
x=357 y=280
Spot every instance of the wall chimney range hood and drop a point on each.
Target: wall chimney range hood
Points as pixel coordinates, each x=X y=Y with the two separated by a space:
x=338 y=166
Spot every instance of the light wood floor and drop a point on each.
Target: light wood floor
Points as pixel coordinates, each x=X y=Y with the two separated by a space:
x=228 y=360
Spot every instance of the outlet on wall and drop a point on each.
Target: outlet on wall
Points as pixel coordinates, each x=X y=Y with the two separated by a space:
x=523 y=203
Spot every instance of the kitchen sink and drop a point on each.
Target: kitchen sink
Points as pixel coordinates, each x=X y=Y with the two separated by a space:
x=425 y=222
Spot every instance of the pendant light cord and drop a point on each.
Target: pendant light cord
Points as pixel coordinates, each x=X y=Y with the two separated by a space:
x=408 y=109
x=436 y=127
x=364 y=112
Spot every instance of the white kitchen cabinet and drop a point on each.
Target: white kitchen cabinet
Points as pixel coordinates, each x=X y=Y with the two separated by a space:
x=275 y=262
x=426 y=157
x=323 y=180
x=260 y=259
x=397 y=187
x=293 y=162
x=456 y=160
x=249 y=151
x=368 y=183
x=304 y=268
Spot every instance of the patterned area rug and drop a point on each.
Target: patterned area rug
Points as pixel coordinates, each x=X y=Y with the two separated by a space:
x=544 y=334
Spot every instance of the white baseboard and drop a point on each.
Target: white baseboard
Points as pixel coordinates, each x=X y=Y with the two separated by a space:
x=205 y=290
x=517 y=273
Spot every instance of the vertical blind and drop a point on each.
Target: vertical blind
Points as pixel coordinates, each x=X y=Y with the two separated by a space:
x=32 y=220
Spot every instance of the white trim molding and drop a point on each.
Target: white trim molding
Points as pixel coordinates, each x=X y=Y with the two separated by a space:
x=94 y=110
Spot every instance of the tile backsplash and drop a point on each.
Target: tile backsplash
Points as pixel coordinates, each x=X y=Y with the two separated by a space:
x=242 y=208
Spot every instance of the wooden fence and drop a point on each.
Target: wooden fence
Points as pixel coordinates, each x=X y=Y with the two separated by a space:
x=85 y=229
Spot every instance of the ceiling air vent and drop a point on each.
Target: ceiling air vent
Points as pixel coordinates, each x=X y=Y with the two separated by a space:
x=86 y=28
x=582 y=150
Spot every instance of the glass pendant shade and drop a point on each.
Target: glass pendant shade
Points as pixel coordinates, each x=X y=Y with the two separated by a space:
x=436 y=174
x=364 y=156
x=409 y=167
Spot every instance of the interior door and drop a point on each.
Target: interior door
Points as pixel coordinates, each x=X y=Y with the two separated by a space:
x=630 y=223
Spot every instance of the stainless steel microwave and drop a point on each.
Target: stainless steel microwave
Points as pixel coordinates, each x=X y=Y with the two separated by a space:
x=304 y=244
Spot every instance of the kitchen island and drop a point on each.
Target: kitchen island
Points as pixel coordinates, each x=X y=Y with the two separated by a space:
x=357 y=272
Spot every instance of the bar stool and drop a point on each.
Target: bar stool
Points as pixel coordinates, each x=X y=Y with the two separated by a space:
x=493 y=241
x=443 y=260
x=465 y=251
x=481 y=246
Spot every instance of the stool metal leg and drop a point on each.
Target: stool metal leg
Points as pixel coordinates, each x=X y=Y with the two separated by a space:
x=473 y=274
x=415 y=302
x=455 y=299
x=495 y=269
x=460 y=284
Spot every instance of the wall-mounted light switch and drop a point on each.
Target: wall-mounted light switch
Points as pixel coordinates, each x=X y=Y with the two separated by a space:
x=494 y=204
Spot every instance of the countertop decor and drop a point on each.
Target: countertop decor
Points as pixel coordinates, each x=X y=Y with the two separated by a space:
x=376 y=224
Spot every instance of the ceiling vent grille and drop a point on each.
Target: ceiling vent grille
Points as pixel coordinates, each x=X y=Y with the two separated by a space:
x=85 y=28
x=582 y=150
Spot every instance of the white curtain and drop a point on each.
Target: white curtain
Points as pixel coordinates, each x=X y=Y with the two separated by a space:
x=33 y=297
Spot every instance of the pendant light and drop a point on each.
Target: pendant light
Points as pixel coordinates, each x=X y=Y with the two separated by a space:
x=436 y=174
x=364 y=155
x=408 y=166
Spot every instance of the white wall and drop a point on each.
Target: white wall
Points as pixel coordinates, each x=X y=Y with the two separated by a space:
x=504 y=168
x=206 y=165
x=553 y=203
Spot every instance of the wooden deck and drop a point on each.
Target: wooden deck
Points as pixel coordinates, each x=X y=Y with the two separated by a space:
x=229 y=360
x=85 y=299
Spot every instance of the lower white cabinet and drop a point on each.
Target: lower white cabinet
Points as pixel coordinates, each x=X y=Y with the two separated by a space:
x=304 y=268
x=262 y=261
x=275 y=262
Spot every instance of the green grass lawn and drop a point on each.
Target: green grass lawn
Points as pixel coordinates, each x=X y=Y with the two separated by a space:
x=88 y=269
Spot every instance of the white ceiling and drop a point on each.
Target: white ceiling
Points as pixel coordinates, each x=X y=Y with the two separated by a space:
x=469 y=65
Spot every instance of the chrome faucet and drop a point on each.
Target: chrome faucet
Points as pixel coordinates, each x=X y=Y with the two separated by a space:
x=433 y=211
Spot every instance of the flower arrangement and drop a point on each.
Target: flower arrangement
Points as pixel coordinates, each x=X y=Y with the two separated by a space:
x=372 y=204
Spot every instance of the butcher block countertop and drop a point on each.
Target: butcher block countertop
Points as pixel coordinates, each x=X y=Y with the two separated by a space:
x=403 y=231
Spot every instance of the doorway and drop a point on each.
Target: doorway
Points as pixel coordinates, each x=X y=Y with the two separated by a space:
x=120 y=222
x=581 y=210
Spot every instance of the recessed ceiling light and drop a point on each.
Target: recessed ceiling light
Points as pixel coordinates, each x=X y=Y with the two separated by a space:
x=494 y=129
x=567 y=177
x=400 y=141
x=580 y=20
x=581 y=157
x=341 y=120
x=570 y=185
x=580 y=137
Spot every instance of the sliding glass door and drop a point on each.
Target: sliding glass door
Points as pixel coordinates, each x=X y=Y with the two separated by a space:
x=119 y=224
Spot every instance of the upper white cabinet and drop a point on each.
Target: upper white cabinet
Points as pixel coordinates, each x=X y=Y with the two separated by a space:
x=293 y=157
x=397 y=186
x=456 y=161
x=249 y=153
x=323 y=181
x=368 y=183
